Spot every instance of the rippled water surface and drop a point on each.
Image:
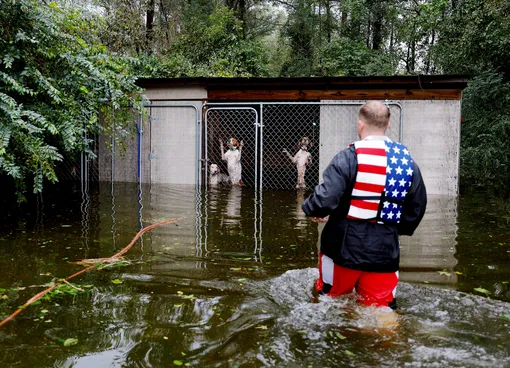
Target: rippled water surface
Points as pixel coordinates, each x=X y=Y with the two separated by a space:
x=230 y=284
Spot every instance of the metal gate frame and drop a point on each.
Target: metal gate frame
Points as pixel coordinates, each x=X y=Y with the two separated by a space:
x=198 y=148
x=260 y=124
x=206 y=134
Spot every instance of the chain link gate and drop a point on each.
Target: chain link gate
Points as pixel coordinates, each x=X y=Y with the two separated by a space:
x=241 y=123
x=272 y=128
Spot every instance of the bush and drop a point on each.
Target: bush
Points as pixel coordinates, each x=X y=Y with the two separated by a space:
x=485 y=147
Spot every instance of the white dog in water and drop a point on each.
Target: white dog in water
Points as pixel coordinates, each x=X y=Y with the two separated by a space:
x=216 y=177
x=233 y=158
x=302 y=159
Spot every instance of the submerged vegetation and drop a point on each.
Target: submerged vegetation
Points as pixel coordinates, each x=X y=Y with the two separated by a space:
x=66 y=63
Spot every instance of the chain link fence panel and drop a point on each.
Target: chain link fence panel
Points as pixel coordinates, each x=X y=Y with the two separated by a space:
x=80 y=166
x=284 y=129
x=241 y=124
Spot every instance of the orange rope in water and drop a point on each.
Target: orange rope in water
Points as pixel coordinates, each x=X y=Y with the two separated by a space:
x=44 y=292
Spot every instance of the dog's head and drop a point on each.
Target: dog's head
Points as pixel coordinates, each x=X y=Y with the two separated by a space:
x=305 y=143
x=214 y=169
x=233 y=143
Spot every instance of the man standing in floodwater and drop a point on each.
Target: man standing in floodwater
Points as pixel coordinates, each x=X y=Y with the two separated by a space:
x=372 y=192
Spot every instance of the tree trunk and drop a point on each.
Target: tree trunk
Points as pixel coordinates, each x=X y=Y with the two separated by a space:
x=242 y=16
x=328 y=21
x=344 y=19
x=377 y=37
x=408 y=67
x=413 y=55
x=427 y=65
x=391 y=39
x=369 y=32
x=149 y=25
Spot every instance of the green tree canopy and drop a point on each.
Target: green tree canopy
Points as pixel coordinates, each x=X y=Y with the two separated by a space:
x=55 y=76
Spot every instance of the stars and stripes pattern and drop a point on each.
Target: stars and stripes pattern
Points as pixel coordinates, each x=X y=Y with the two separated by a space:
x=399 y=173
x=370 y=179
x=384 y=174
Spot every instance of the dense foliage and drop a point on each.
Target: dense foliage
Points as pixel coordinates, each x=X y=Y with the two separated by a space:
x=55 y=76
x=485 y=143
x=63 y=61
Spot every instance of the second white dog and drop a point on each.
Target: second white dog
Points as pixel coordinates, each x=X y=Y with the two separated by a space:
x=216 y=177
x=301 y=159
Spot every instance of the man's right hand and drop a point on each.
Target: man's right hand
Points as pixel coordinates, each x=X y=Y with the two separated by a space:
x=320 y=219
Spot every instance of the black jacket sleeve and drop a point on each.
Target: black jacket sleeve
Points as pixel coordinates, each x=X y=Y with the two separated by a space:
x=414 y=206
x=337 y=177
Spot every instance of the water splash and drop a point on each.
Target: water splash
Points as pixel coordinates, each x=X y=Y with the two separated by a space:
x=433 y=327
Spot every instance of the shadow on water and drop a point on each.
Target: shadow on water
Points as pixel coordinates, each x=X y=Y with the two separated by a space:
x=231 y=284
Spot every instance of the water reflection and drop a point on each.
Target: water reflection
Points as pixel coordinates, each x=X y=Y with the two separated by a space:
x=172 y=202
x=230 y=284
x=302 y=220
x=85 y=216
x=114 y=222
x=233 y=206
x=429 y=255
x=218 y=219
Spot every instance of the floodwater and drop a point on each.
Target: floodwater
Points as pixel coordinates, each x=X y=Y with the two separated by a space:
x=230 y=285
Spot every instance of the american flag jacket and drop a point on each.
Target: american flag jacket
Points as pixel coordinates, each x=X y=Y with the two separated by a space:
x=370 y=202
x=383 y=180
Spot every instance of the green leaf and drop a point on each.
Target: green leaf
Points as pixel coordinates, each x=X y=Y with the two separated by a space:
x=177 y=362
x=70 y=342
x=340 y=336
x=116 y=281
x=482 y=291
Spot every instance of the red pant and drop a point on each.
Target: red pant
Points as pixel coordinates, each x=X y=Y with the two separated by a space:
x=373 y=288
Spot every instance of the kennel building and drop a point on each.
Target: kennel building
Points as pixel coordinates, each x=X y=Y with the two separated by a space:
x=188 y=118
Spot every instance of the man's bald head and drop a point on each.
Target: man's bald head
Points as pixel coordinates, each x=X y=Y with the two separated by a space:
x=375 y=114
